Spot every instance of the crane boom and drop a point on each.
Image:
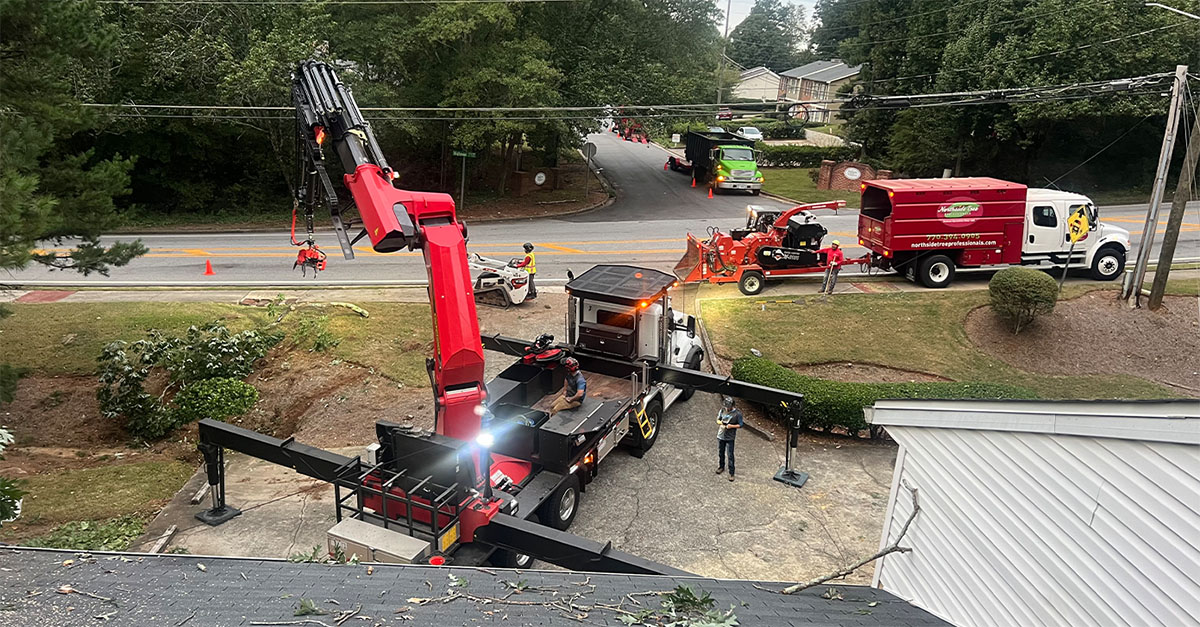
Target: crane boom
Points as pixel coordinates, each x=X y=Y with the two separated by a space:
x=394 y=219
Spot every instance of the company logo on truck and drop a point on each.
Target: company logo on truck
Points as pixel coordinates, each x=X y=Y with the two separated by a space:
x=958 y=210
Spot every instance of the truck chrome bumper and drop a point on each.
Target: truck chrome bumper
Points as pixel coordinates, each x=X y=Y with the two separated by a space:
x=738 y=185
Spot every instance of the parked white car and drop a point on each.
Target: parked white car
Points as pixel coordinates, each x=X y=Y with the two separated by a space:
x=750 y=132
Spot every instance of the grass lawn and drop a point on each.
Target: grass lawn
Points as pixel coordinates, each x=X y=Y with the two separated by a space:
x=66 y=338
x=797 y=184
x=921 y=331
x=111 y=500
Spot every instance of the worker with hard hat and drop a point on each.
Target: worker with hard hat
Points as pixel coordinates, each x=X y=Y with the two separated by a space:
x=574 y=388
x=834 y=258
x=529 y=263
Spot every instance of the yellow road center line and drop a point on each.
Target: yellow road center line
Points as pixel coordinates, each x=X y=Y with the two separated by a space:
x=561 y=248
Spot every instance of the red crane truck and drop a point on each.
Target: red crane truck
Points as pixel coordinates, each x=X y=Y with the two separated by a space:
x=469 y=491
x=930 y=228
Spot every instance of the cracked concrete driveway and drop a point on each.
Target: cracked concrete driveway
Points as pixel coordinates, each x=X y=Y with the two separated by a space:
x=668 y=506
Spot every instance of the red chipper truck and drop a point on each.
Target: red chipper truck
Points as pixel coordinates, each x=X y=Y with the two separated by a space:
x=929 y=228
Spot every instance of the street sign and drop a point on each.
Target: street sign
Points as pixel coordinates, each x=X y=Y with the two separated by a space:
x=589 y=150
x=464 y=154
x=1078 y=225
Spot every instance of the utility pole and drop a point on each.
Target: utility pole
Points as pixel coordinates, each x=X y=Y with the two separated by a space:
x=1160 y=184
x=1183 y=192
x=1183 y=189
x=724 y=45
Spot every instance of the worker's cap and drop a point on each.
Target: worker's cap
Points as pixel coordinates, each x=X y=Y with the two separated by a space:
x=727 y=401
x=572 y=364
x=836 y=243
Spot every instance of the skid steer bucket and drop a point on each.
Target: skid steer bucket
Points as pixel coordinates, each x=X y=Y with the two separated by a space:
x=690 y=268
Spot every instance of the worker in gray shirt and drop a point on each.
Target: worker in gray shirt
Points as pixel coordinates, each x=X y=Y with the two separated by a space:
x=729 y=420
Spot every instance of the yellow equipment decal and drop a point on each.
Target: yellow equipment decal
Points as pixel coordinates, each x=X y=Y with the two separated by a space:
x=448 y=539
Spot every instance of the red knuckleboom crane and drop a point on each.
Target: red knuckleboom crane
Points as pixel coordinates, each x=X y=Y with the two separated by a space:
x=469 y=491
x=394 y=219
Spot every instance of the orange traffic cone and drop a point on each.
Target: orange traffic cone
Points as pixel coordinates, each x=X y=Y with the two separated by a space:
x=710 y=192
x=208 y=271
x=693 y=182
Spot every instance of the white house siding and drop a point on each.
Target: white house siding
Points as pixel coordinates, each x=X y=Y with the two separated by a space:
x=761 y=87
x=1026 y=528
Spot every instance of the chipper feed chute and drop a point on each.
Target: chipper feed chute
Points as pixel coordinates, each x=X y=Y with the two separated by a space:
x=689 y=269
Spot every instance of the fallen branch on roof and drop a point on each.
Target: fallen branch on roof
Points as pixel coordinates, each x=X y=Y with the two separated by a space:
x=894 y=547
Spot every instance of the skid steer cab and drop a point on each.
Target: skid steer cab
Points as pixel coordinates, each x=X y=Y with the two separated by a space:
x=498 y=283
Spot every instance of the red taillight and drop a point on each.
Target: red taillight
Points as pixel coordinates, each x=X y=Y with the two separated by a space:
x=319 y=131
x=437 y=560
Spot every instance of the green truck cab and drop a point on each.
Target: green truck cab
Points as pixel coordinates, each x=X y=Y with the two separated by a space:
x=724 y=161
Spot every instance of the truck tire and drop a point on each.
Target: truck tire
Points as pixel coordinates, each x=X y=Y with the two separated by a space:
x=751 y=283
x=642 y=444
x=692 y=364
x=504 y=558
x=559 y=510
x=936 y=271
x=756 y=191
x=1108 y=263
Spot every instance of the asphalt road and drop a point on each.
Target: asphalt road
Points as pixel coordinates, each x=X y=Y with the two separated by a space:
x=646 y=225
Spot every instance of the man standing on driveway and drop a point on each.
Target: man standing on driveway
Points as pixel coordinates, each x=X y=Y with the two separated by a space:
x=729 y=420
x=834 y=258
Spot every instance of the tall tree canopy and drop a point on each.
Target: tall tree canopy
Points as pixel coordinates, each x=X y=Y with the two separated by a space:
x=54 y=185
x=925 y=46
x=772 y=35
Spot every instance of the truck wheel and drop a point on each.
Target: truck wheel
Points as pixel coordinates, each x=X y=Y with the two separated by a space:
x=504 y=558
x=643 y=443
x=1108 y=263
x=936 y=271
x=560 y=509
x=756 y=191
x=751 y=283
x=692 y=364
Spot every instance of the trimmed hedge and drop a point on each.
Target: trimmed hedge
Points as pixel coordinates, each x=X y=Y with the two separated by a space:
x=840 y=404
x=802 y=156
x=1020 y=295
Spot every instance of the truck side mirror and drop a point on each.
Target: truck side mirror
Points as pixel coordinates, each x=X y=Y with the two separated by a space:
x=691 y=326
x=570 y=275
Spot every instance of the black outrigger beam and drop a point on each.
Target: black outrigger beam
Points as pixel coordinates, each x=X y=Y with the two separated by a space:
x=566 y=550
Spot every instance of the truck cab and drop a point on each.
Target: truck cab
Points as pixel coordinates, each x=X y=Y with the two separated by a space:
x=1048 y=240
x=735 y=168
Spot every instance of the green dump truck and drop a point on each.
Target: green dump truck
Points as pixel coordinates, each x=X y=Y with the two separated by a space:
x=721 y=160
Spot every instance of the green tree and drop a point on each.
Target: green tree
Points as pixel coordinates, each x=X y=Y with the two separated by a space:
x=770 y=36
x=53 y=186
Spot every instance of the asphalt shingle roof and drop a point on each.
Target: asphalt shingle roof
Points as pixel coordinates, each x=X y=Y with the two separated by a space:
x=173 y=590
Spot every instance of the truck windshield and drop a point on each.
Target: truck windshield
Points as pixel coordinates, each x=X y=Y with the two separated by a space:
x=737 y=154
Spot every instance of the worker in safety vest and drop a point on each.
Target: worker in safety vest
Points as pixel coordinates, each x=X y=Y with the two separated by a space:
x=834 y=258
x=530 y=266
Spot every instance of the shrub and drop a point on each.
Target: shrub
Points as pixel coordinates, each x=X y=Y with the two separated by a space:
x=214 y=398
x=782 y=130
x=315 y=333
x=1021 y=294
x=840 y=404
x=801 y=156
x=208 y=352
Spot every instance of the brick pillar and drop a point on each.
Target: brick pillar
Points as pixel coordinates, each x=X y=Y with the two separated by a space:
x=825 y=175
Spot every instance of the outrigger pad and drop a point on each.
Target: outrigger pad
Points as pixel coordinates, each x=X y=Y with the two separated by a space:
x=791 y=477
x=217 y=515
